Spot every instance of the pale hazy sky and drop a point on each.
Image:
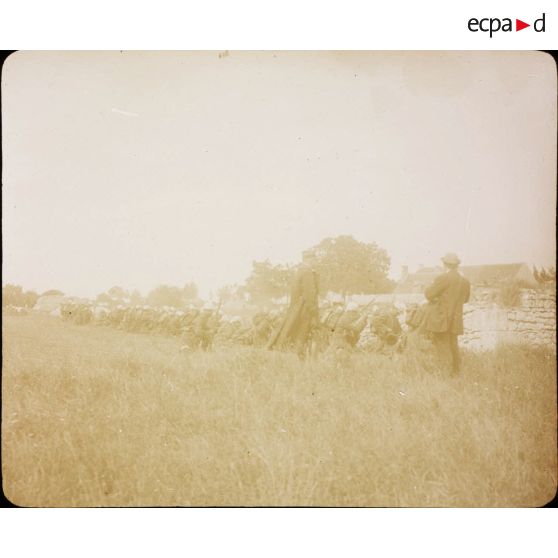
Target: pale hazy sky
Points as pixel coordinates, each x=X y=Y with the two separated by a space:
x=138 y=169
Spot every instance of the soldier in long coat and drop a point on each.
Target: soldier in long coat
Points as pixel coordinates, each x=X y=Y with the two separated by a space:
x=303 y=313
x=444 y=313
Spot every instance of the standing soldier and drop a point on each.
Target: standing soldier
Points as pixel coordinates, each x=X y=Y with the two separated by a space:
x=444 y=316
x=303 y=313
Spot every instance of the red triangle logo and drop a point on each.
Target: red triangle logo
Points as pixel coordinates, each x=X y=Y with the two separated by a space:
x=519 y=25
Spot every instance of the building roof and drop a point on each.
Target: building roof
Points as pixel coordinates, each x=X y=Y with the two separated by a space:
x=479 y=275
x=493 y=273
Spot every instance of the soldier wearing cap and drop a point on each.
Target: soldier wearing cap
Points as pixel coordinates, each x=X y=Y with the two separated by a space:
x=444 y=315
x=303 y=313
x=346 y=331
x=330 y=314
x=385 y=326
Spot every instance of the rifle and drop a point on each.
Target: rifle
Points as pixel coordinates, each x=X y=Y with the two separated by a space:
x=373 y=301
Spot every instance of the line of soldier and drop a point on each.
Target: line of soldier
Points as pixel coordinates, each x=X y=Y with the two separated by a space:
x=12 y=310
x=200 y=328
x=306 y=328
x=439 y=320
x=340 y=328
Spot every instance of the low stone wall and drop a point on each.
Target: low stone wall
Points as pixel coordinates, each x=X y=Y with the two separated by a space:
x=532 y=321
x=487 y=323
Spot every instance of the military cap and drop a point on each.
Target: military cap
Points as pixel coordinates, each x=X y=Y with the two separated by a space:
x=451 y=259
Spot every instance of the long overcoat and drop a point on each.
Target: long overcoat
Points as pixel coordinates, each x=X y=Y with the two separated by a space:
x=446 y=297
x=303 y=312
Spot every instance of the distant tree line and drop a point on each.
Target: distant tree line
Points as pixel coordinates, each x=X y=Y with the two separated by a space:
x=345 y=266
x=14 y=295
x=163 y=295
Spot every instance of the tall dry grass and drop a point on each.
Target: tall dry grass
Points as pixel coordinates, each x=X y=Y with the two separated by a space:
x=98 y=417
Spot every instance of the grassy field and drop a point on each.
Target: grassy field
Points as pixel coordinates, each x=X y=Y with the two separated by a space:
x=97 y=417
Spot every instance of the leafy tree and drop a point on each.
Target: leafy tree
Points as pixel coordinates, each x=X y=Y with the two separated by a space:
x=230 y=292
x=29 y=299
x=269 y=281
x=136 y=298
x=344 y=264
x=13 y=295
x=190 y=291
x=118 y=292
x=166 y=295
x=53 y=292
x=104 y=298
x=348 y=266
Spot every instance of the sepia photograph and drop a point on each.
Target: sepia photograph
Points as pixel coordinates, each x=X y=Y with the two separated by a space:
x=279 y=279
